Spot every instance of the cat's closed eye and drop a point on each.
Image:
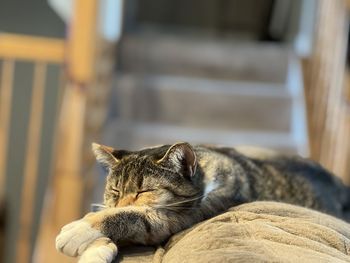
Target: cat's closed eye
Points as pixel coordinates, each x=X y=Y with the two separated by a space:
x=144 y=192
x=115 y=191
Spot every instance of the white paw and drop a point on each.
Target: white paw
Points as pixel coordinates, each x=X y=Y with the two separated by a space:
x=75 y=237
x=99 y=254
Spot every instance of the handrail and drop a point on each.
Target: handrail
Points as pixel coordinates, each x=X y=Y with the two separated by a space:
x=23 y=47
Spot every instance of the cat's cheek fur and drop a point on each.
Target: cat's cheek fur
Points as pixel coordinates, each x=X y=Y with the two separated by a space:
x=75 y=237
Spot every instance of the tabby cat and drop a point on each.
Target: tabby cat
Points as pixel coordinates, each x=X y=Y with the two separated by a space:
x=156 y=192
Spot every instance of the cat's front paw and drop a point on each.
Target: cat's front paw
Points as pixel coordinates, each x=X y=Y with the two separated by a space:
x=99 y=252
x=75 y=237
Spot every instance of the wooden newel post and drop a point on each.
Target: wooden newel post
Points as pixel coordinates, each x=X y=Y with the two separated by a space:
x=328 y=113
x=80 y=55
x=89 y=67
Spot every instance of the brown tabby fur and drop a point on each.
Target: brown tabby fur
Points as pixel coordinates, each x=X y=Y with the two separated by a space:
x=156 y=192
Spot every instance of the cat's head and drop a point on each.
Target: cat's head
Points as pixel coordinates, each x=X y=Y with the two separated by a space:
x=161 y=177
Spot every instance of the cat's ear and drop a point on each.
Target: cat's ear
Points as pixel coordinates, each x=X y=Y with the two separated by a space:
x=182 y=157
x=104 y=154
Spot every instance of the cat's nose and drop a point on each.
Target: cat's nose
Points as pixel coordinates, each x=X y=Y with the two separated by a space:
x=125 y=201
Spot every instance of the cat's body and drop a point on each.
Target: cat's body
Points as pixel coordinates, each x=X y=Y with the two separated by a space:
x=154 y=193
x=269 y=176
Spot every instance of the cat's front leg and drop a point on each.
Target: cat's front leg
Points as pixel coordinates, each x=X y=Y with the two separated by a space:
x=75 y=237
x=142 y=225
x=102 y=250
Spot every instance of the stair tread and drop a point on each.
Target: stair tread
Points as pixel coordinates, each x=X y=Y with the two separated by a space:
x=217 y=58
x=201 y=84
x=199 y=102
x=138 y=134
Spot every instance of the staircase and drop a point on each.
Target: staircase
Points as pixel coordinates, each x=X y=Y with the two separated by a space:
x=204 y=90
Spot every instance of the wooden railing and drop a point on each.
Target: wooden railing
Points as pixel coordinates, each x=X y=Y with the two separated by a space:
x=22 y=47
x=85 y=92
x=14 y=48
x=39 y=51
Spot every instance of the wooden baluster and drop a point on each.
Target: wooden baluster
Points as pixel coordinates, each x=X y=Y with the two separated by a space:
x=5 y=114
x=327 y=110
x=24 y=245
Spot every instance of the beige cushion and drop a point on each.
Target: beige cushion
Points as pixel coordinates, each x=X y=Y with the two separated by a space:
x=256 y=232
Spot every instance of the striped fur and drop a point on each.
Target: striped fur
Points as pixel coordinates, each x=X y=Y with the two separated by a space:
x=156 y=192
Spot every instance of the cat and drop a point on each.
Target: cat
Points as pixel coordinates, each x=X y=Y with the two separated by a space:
x=156 y=192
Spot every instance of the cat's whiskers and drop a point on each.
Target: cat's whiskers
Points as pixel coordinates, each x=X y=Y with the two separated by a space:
x=175 y=204
x=175 y=207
